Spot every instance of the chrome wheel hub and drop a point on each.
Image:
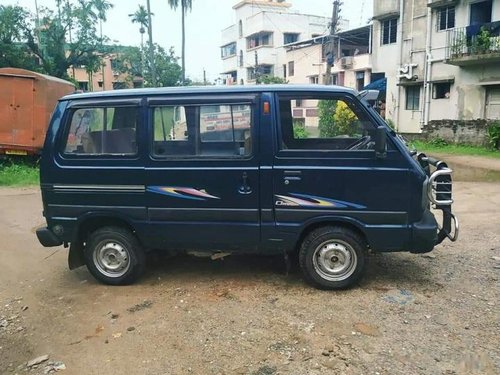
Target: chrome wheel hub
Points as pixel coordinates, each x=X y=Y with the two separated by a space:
x=112 y=259
x=334 y=260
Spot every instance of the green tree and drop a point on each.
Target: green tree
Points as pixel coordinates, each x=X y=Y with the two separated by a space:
x=13 y=52
x=326 y=118
x=269 y=80
x=76 y=19
x=185 y=5
x=168 y=71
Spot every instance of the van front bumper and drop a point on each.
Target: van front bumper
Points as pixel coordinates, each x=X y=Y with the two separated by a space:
x=424 y=234
x=47 y=238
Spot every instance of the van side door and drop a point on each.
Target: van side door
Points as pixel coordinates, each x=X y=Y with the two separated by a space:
x=325 y=168
x=203 y=176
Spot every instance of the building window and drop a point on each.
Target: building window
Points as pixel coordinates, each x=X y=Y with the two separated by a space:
x=284 y=70
x=228 y=50
x=441 y=90
x=314 y=80
x=259 y=39
x=119 y=85
x=241 y=59
x=413 y=97
x=100 y=84
x=290 y=38
x=389 y=31
x=291 y=68
x=360 y=80
x=240 y=29
x=446 y=18
x=84 y=86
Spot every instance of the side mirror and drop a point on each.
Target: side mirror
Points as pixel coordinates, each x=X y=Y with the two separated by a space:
x=381 y=142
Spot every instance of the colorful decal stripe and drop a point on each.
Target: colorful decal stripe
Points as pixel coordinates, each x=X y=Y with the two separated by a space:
x=304 y=200
x=182 y=192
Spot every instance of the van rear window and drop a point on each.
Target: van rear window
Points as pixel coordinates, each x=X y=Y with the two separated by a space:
x=102 y=131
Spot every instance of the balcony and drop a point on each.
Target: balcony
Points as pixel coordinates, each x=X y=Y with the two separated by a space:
x=441 y=3
x=385 y=9
x=473 y=45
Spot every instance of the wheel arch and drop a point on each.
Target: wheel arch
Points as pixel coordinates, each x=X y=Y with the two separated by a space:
x=347 y=223
x=88 y=224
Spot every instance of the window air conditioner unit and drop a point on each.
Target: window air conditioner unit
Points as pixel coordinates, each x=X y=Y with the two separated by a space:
x=346 y=62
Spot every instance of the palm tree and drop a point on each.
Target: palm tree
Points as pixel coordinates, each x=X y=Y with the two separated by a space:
x=185 y=6
x=141 y=17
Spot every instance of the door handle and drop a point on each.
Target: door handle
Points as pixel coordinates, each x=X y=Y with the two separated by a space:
x=292 y=176
x=244 y=187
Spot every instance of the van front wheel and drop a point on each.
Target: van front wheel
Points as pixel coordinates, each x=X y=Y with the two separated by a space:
x=114 y=256
x=332 y=257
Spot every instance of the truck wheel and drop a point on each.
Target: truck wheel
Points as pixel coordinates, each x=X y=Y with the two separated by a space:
x=114 y=256
x=332 y=257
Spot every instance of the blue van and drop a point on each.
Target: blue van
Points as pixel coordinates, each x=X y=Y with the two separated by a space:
x=311 y=171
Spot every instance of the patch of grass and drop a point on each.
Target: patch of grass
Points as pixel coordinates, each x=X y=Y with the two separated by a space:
x=18 y=175
x=443 y=148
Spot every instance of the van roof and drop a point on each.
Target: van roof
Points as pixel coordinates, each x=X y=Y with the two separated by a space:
x=208 y=90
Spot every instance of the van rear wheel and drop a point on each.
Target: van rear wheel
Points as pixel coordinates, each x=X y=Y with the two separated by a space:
x=114 y=256
x=332 y=257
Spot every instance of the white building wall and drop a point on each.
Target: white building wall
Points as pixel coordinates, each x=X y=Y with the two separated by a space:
x=258 y=16
x=467 y=98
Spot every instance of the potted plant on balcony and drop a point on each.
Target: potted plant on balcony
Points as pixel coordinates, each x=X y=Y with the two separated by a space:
x=482 y=42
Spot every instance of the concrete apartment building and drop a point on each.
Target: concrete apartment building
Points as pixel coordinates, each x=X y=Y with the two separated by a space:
x=262 y=29
x=306 y=60
x=306 y=63
x=442 y=62
x=105 y=78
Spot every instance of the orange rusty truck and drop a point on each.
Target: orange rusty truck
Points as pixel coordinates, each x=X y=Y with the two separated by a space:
x=27 y=100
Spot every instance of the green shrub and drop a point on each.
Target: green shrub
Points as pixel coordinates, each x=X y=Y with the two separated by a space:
x=391 y=124
x=438 y=142
x=494 y=135
x=344 y=119
x=18 y=175
x=299 y=130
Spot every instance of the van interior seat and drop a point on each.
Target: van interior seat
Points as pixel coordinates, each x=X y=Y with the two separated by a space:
x=116 y=141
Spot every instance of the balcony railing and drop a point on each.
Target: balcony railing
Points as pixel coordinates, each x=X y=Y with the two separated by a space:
x=468 y=45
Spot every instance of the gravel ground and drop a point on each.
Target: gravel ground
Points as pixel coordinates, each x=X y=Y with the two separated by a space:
x=412 y=314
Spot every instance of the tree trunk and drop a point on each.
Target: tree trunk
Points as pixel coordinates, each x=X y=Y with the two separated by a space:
x=183 y=42
x=103 y=59
x=142 y=57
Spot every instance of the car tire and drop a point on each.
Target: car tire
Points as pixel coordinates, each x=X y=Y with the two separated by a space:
x=114 y=256
x=332 y=257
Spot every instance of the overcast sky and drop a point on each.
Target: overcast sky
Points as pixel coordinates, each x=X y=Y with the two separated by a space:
x=203 y=25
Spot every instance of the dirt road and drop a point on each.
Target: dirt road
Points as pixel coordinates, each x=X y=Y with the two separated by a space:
x=412 y=314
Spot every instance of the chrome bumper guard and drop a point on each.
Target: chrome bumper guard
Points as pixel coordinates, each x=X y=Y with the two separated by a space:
x=439 y=192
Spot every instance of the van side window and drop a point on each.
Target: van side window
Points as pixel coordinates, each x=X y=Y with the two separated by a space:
x=203 y=131
x=102 y=131
x=324 y=124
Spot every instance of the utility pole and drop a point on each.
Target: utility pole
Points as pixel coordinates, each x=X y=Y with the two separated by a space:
x=204 y=77
x=151 y=47
x=37 y=25
x=256 y=69
x=330 y=50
